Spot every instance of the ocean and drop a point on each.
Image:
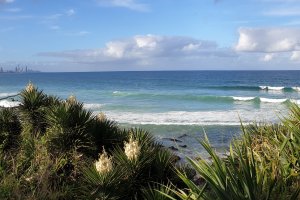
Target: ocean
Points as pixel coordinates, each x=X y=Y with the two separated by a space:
x=173 y=104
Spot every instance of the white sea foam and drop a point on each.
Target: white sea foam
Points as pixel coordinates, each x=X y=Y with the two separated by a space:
x=120 y=93
x=267 y=100
x=275 y=88
x=8 y=104
x=271 y=88
x=230 y=117
x=6 y=94
x=263 y=87
x=93 y=106
x=296 y=89
x=296 y=101
x=262 y=99
x=243 y=98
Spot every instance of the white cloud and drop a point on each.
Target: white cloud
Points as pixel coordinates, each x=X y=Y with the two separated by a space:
x=6 y=1
x=268 y=57
x=54 y=16
x=52 y=20
x=295 y=56
x=130 y=4
x=70 y=12
x=151 y=51
x=82 y=33
x=268 y=40
x=157 y=52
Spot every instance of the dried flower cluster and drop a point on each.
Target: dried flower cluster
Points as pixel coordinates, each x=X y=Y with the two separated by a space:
x=101 y=117
x=132 y=149
x=29 y=87
x=72 y=99
x=104 y=164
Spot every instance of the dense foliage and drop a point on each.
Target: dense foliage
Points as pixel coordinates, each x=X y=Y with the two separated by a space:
x=52 y=149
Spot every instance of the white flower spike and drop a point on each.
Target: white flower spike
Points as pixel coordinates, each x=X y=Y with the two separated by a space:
x=132 y=149
x=104 y=164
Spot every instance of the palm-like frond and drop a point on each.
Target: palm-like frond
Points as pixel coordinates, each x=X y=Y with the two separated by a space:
x=32 y=108
x=106 y=133
x=157 y=191
x=68 y=127
x=101 y=186
x=241 y=175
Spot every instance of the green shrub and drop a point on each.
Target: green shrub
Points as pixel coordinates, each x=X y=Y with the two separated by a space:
x=107 y=133
x=142 y=162
x=10 y=128
x=69 y=124
x=34 y=105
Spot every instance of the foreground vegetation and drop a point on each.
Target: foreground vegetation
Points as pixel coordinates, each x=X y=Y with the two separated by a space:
x=55 y=149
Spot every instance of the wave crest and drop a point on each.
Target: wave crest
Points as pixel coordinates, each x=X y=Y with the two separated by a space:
x=271 y=88
x=9 y=104
x=243 y=98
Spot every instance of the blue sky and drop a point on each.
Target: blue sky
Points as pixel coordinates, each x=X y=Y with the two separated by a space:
x=109 y=35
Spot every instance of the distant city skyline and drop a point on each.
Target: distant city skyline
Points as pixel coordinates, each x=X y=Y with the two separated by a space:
x=126 y=35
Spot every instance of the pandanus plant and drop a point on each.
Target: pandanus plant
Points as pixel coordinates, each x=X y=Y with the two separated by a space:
x=33 y=107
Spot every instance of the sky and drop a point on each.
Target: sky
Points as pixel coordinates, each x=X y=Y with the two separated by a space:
x=142 y=35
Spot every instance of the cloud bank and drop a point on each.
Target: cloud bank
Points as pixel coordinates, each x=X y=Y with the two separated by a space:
x=270 y=41
x=149 y=50
x=261 y=48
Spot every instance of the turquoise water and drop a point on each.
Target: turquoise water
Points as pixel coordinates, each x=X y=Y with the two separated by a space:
x=171 y=104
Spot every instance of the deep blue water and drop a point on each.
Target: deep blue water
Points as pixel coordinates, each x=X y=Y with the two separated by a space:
x=172 y=103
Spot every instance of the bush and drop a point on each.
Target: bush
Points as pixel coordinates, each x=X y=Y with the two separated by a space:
x=262 y=164
x=107 y=133
x=141 y=163
x=33 y=107
x=10 y=129
x=68 y=128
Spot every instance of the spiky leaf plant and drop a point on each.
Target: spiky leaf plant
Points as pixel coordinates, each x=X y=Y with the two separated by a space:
x=10 y=128
x=158 y=192
x=102 y=182
x=140 y=163
x=33 y=107
x=239 y=176
x=291 y=145
x=68 y=128
x=105 y=132
x=34 y=174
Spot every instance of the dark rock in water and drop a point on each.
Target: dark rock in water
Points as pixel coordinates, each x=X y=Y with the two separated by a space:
x=184 y=135
x=183 y=146
x=176 y=158
x=173 y=148
x=172 y=139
